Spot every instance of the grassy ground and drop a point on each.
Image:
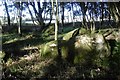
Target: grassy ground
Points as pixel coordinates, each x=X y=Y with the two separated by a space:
x=23 y=59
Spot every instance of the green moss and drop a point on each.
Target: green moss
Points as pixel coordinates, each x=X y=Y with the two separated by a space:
x=49 y=30
x=2 y=54
x=83 y=31
x=69 y=35
x=49 y=49
x=64 y=49
x=91 y=48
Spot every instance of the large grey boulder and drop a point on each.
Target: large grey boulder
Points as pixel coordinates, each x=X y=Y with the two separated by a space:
x=79 y=48
x=85 y=47
x=49 y=50
x=90 y=48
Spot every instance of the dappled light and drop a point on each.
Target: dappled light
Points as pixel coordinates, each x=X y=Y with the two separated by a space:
x=55 y=39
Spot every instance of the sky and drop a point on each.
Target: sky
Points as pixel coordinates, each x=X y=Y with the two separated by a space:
x=67 y=14
x=1 y=9
x=3 y=12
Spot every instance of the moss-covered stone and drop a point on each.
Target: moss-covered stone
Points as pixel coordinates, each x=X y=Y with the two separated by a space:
x=49 y=49
x=64 y=49
x=2 y=55
x=102 y=46
x=83 y=48
x=67 y=50
x=91 y=48
x=69 y=35
x=49 y=30
x=83 y=31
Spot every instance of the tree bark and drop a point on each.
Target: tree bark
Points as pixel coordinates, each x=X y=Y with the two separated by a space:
x=62 y=16
x=31 y=14
x=56 y=22
x=38 y=13
x=72 y=14
x=102 y=6
x=20 y=18
x=84 y=9
x=56 y=27
x=115 y=12
x=109 y=14
x=8 y=16
x=39 y=17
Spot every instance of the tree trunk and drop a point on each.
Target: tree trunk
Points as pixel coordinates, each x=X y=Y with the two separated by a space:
x=8 y=16
x=47 y=25
x=102 y=6
x=56 y=27
x=115 y=12
x=84 y=9
x=31 y=14
x=62 y=16
x=109 y=14
x=56 y=22
x=20 y=19
x=72 y=15
x=39 y=17
x=40 y=10
x=38 y=13
x=62 y=13
x=93 y=21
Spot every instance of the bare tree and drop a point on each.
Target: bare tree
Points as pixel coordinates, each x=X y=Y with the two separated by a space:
x=20 y=17
x=8 y=16
x=102 y=7
x=115 y=11
x=62 y=16
x=38 y=14
x=27 y=5
x=83 y=9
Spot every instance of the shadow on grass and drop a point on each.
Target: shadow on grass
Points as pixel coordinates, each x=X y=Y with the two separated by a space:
x=14 y=49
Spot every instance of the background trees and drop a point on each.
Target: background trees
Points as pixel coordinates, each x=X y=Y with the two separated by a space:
x=84 y=52
x=8 y=16
x=40 y=13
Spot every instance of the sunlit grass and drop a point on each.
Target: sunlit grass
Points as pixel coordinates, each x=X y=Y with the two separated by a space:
x=32 y=65
x=9 y=38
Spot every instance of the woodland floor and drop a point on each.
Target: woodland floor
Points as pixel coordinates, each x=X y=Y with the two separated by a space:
x=23 y=60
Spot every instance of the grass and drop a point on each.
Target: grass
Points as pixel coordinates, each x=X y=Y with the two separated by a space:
x=31 y=65
x=15 y=45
